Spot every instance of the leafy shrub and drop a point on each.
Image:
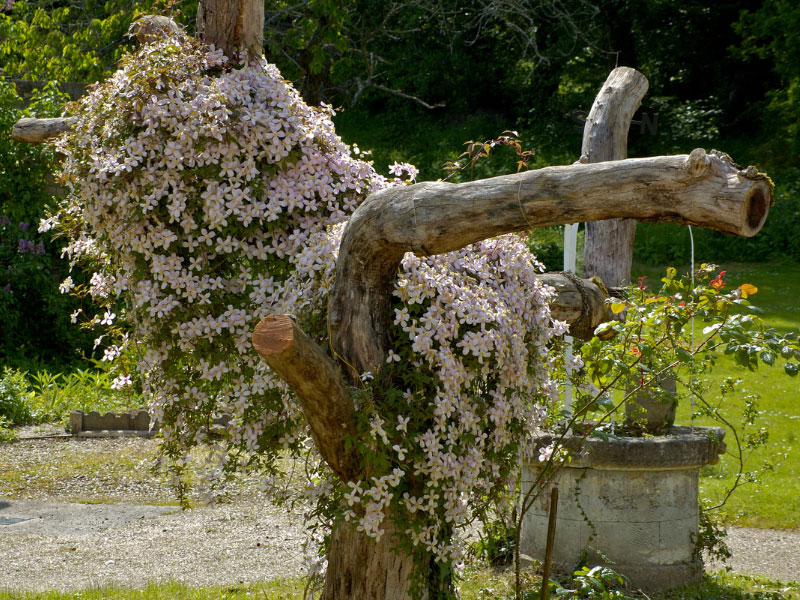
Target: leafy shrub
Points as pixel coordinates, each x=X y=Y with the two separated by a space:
x=31 y=264
x=596 y=583
x=84 y=389
x=496 y=543
x=15 y=398
x=7 y=434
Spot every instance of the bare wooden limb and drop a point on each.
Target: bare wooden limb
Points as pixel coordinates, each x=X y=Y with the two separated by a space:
x=36 y=131
x=608 y=245
x=436 y=217
x=318 y=384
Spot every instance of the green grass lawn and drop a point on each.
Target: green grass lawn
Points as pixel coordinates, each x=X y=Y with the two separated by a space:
x=478 y=584
x=773 y=498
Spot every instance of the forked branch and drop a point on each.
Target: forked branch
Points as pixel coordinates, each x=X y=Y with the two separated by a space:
x=707 y=190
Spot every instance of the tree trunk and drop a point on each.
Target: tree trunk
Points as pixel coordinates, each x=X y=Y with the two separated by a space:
x=234 y=26
x=608 y=245
x=359 y=568
x=579 y=302
x=319 y=386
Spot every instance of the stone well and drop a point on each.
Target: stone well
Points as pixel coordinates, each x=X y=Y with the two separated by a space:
x=629 y=502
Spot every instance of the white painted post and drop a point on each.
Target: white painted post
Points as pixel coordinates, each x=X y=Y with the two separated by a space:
x=570 y=254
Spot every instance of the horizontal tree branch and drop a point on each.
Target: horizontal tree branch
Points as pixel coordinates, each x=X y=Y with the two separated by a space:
x=318 y=384
x=706 y=190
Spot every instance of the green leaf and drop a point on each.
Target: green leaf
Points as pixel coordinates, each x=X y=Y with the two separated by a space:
x=768 y=358
x=791 y=369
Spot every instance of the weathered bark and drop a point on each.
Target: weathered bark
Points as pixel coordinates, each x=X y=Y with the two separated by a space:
x=608 y=245
x=359 y=568
x=319 y=386
x=431 y=218
x=233 y=26
x=36 y=131
x=579 y=302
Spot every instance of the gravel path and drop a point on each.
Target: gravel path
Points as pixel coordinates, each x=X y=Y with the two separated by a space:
x=773 y=553
x=211 y=545
x=48 y=543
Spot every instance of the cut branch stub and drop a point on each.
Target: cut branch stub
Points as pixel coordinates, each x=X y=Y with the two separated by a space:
x=437 y=217
x=36 y=131
x=579 y=302
x=318 y=384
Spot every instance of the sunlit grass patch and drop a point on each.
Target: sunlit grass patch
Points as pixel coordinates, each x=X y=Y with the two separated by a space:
x=478 y=583
x=282 y=589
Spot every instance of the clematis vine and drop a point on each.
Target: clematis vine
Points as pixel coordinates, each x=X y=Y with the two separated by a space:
x=208 y=197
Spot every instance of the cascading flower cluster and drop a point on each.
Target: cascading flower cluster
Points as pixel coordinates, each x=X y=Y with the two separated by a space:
x=465 y=383
x=210 y=196
x=202 y=193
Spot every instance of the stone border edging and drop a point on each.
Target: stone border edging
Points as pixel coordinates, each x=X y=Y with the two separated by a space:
x=134 y=421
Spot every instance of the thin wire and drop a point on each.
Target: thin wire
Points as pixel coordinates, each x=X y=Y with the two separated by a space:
x=519 y=202
x=691 y=243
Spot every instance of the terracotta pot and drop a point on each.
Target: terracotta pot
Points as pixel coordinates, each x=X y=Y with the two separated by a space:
x=652 y=409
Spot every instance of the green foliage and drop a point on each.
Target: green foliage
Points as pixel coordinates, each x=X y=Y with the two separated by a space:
x=45 y=397
x=496 y=543
x=67 y=40
x=712 y=535
x=596 y=583
x=771 y=33
x=55 y=395
x=31 y=266
x=658 y=337
x=7 y=434
x=15 y=398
